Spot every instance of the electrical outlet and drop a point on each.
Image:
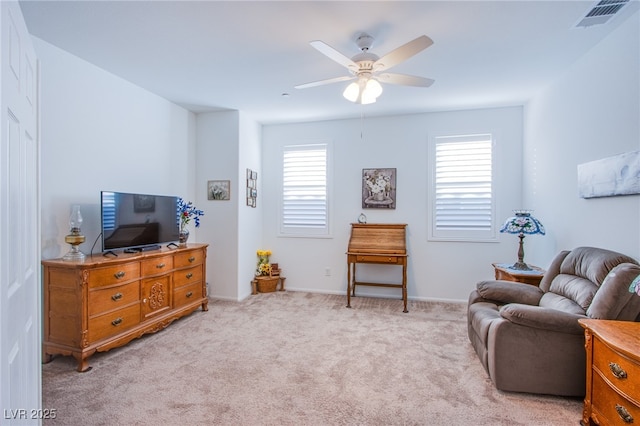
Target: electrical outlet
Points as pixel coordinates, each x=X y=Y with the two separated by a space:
x=327 y=271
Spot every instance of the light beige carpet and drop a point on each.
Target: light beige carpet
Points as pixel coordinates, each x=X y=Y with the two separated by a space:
x=290 y=358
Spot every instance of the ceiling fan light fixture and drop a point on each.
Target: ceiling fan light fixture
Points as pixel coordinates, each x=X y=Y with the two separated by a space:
x=373 y=88
x=367 y=66
x=352 y=92
x=364 y=91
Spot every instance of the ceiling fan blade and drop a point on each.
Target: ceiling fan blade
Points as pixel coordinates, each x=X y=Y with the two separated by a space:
x=402 y=53
x=323 y=82
x=333 y=54
x=405 y=80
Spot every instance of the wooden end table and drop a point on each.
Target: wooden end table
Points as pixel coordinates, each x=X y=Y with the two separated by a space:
x=504 y=272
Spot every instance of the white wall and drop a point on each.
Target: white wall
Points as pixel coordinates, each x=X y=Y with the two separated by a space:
x=227 y=144
x=100 y=132
x=591 y=112
x=249 y=218
x=217 y=159
x=436 y=270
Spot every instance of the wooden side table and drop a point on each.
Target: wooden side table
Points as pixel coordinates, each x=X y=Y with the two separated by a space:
x=254 y=285
x=504 y=272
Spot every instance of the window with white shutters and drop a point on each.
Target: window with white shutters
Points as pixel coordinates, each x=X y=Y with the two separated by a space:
x=305 y=206
x=461 y=198
x=108 y=211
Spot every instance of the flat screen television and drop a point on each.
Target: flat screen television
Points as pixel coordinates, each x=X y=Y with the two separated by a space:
x=137 y=222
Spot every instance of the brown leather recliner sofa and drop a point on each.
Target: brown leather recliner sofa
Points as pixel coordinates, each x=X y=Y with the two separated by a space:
x=528 y=338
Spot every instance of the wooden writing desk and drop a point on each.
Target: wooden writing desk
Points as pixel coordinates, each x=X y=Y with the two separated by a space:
x=379 y=243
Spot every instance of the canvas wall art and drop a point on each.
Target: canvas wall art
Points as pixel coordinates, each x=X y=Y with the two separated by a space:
x=378 y=188
x=611 y=176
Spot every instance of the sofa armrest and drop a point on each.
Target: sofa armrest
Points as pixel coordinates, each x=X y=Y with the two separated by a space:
x=509 y=292
x=542 y=318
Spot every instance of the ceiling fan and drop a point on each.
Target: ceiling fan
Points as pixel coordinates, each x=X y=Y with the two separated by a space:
x=368 y=69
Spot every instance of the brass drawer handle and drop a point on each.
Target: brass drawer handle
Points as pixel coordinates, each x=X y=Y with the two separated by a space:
x=116 y=297
x=116 y=322
x=192 y=259
x=189 y=275
x=160 y=265
x=119 y=274
x=624 y=414
x=617 y=370
x=189 y=294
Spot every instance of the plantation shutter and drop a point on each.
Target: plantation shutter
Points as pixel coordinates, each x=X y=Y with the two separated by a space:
x=108 y=211
x=304 y=190
x=463 y=203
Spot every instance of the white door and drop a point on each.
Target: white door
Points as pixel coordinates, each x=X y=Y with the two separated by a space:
x=20 y=294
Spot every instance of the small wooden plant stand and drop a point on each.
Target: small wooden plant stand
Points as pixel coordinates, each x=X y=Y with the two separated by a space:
x=268 y=283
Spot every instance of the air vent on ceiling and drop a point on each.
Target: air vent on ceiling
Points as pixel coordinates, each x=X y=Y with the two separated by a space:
x=601 y=12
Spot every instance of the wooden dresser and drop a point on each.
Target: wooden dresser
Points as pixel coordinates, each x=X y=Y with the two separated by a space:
x=381 y=243
x=105 y=302
x=613 y=372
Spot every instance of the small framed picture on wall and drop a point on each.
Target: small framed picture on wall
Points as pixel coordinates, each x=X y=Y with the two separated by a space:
x=378 y=188
x=252 y=185
x=219 y=190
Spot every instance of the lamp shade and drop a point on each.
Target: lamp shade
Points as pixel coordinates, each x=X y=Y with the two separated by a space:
x=351 y=92
x=522 y=223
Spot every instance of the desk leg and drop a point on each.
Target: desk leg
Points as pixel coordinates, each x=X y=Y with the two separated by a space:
x=348 y=285
x=254 y=284
x=353 y=284
x=404 y=286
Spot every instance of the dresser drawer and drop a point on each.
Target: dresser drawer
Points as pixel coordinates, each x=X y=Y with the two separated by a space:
x=187 y=276
x=114 y=322
x=110 y=298
x=620 y=371
x=186 y=294
x=157 y=265
x=114 y=274
x=613 y=407
x=189 y=258
x=376 y=259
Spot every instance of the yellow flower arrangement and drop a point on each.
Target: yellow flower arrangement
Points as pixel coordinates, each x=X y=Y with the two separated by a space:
x=264 y=267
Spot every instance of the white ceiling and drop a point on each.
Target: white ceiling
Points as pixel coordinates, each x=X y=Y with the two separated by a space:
x=211 y=55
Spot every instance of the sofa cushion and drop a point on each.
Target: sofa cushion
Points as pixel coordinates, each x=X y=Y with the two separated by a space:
x=509 y=292
x=553 y=270
x=592 y=263
x=578 y=289
x=542 y=318
x=561 y=303
x=614 y=300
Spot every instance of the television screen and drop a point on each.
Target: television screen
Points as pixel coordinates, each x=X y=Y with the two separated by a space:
x=137 y=221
